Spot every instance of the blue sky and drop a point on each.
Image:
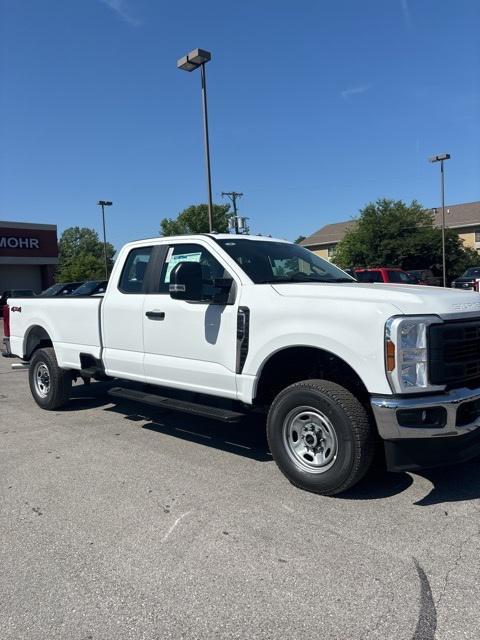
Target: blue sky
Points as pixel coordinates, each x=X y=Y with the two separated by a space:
x=316 y=108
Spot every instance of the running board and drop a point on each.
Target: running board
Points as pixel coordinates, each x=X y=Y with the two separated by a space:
x=162 y=402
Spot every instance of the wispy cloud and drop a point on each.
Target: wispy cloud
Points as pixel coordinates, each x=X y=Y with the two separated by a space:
x=355 y=91
x=407 y=16
x=121 y=8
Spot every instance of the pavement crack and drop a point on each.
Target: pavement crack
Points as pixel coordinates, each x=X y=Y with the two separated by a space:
x=177 y=521
x=454 y=566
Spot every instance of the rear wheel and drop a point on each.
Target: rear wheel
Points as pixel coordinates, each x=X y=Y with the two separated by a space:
x=50 y=385
x=320 y=436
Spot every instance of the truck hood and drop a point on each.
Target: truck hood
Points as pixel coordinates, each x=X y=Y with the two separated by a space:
x=408 y=299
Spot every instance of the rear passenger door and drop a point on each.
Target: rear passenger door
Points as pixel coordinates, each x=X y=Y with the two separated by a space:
x=122 y=326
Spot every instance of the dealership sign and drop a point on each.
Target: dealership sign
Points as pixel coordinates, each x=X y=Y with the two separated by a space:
x=27 y=242
x=11 y=242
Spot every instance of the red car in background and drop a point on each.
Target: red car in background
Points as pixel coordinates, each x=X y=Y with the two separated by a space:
x=391 y=275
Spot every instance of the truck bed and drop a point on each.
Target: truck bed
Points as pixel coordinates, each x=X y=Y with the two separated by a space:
x=72 y=324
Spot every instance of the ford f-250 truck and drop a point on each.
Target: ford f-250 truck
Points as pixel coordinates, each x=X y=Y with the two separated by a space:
x=266 y=324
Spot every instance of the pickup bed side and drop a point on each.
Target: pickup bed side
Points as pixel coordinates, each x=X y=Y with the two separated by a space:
x=72 y=326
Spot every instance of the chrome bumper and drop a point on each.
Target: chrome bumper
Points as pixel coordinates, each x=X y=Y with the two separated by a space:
x=385 y=412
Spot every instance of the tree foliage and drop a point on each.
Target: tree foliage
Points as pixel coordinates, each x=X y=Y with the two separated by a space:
x=299 y=239
x=394 y=234
x=194 y=219
x=81 y=255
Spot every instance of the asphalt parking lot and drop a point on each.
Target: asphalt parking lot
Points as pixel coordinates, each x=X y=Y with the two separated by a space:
x=118 y=521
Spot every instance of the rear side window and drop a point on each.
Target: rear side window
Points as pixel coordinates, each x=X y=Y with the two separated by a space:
x=134 y=270
x=399 y=276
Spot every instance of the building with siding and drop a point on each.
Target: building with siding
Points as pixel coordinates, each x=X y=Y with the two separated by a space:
x=464 y=218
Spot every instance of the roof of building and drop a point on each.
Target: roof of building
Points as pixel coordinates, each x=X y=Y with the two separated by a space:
x=456 y=216
x=330 y=234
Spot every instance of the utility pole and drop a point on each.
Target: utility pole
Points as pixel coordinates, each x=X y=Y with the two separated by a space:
x=233 y=195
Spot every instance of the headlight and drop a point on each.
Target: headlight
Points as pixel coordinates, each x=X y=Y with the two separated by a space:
x=406 y=353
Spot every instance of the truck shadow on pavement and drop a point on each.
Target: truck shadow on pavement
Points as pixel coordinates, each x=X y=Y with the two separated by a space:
x=247 y=438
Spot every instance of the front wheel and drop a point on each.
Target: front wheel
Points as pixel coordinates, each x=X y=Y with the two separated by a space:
x=50 y=385
x=320 y=436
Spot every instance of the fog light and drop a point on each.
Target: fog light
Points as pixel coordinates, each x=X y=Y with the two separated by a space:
x=429 y=418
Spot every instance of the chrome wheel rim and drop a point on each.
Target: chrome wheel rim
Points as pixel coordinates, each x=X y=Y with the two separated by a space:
x=310 y=439
x=41 y=377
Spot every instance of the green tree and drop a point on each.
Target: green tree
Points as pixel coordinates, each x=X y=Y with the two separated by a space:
x=194 y=219
x=81 y=257
x=392 y=233
x=299 y=239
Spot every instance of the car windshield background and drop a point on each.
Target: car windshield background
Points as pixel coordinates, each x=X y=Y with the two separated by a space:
x=471 y=273
x=90 y=287
x=51 y=291
x=270 y=262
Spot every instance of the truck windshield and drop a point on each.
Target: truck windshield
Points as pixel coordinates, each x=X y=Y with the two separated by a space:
x=271 y=262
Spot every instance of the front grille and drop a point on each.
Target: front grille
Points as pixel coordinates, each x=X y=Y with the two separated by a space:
x=454 y=350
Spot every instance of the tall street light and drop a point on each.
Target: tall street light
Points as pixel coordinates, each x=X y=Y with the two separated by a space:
x=193 y=60
x=103 y=204
x=441 y=158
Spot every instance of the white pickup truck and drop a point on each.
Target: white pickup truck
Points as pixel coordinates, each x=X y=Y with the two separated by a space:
x=254 y=323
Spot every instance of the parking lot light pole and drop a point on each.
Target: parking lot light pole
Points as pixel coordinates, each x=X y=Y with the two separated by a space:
x=441 y=158
x=193 y=60
x=103 y=204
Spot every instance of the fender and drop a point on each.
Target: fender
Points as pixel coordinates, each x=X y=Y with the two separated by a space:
x=34 y=325
x=367 y=363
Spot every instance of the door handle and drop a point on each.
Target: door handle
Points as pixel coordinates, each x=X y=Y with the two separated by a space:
x=155 y=315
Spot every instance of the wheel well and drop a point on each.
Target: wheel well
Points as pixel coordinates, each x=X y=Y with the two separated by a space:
x=302 y=363
x=37 y=338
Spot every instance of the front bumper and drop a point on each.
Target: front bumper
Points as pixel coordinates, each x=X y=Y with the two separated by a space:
x=416 y=446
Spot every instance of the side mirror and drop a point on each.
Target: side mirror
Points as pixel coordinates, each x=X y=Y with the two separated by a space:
x=186 y=281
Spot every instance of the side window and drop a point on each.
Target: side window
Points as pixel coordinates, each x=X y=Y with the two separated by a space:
x=369 y=276
x=133 y=274
x=211 y=269
x=399 y=276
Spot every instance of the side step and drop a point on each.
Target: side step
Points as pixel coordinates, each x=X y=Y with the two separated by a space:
x=215 y=413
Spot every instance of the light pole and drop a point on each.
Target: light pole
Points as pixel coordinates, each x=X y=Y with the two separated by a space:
x=190 y=62
x=103 y=204
x=441 y=158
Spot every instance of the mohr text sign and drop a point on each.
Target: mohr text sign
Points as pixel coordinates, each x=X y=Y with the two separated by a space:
x=28 y=242
x=18 y=243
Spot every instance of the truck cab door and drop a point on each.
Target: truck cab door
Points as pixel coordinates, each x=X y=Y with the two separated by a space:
x=192 y=345
x=122 y=316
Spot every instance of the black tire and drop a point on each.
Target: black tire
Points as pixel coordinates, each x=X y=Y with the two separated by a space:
x=343 y=436
x=56 y=385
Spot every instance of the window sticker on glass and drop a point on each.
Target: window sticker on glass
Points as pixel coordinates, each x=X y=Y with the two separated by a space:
x=169 y=254
x=180 y=257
